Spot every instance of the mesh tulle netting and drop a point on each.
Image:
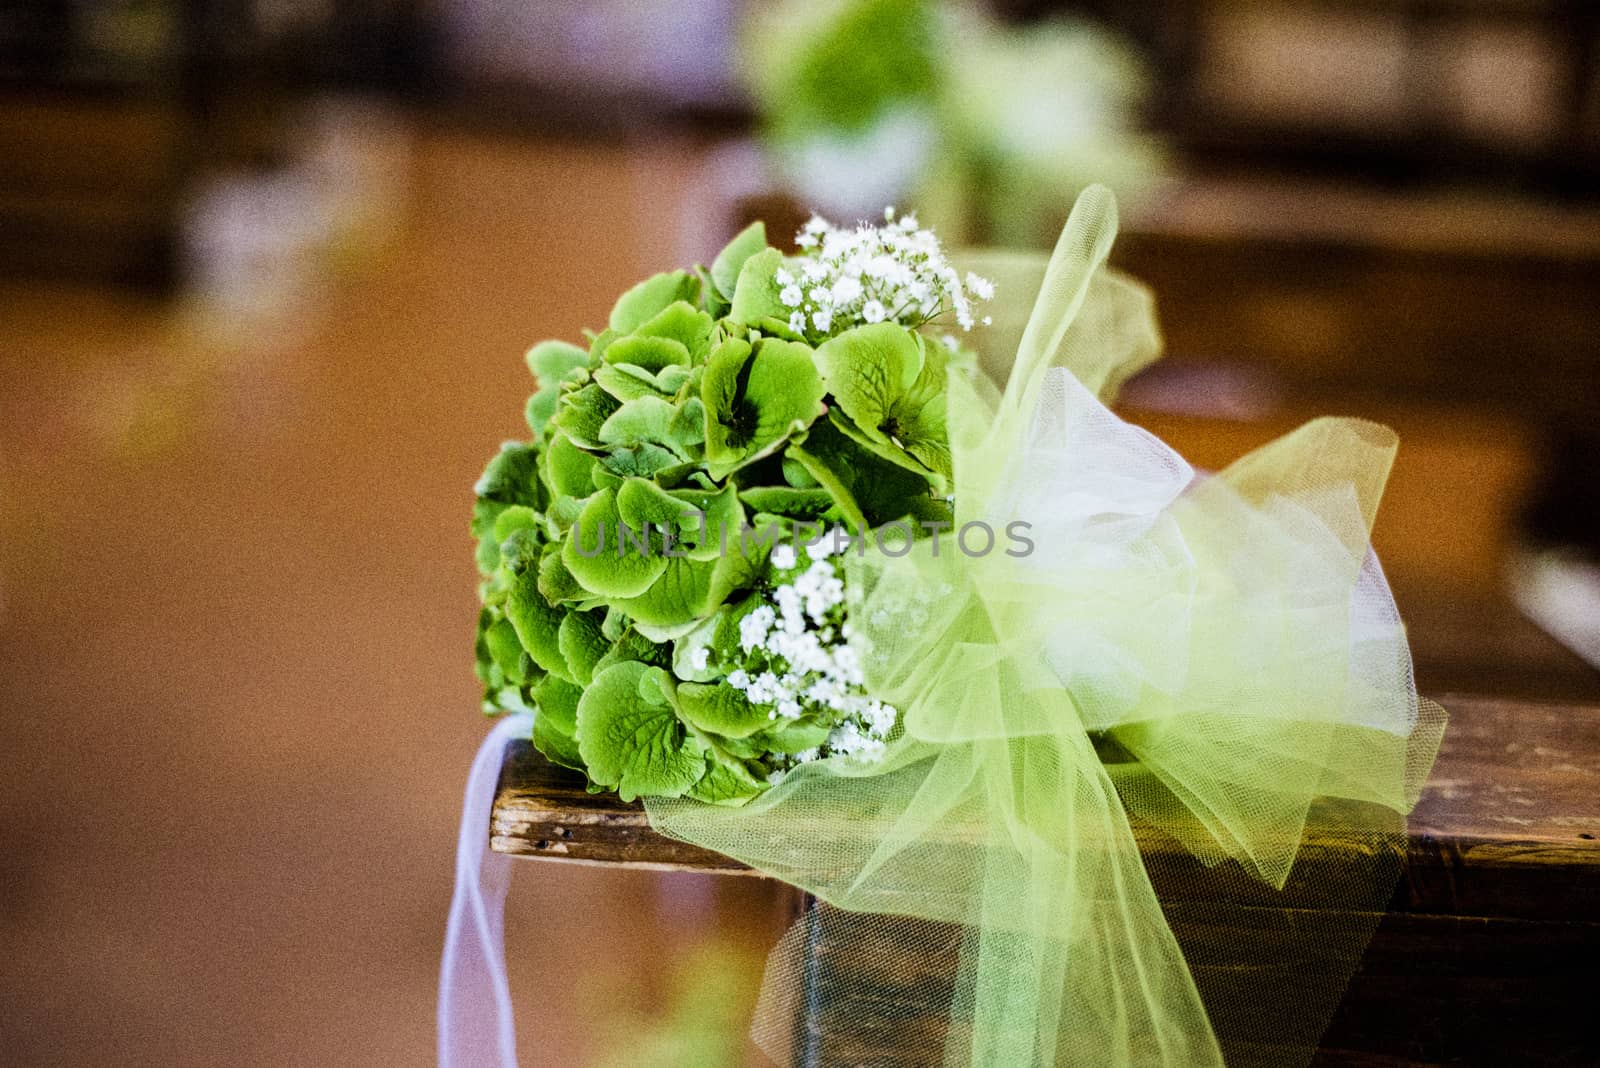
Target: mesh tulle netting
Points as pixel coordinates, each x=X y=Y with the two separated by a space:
x=1088 y=843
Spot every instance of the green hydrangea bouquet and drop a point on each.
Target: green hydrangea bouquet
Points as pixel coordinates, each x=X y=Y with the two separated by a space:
x=959 y=748
x=660 y=560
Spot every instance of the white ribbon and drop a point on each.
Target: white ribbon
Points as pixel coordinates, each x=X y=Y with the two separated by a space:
x=476 y=1027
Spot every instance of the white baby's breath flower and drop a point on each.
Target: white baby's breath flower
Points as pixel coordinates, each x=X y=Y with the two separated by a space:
x=846 y=289
x=801 y=666
x=896 y=272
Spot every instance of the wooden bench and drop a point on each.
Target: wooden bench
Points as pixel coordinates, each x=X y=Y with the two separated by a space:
x=1488 y=953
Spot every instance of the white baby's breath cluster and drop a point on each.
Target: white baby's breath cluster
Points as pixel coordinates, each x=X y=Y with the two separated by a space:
x=800 y=663
x=895 y=273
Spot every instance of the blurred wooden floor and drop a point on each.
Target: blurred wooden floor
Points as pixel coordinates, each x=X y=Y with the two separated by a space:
x=236 y=604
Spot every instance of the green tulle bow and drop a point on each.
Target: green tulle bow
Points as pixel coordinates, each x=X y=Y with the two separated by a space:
x=1112 y=747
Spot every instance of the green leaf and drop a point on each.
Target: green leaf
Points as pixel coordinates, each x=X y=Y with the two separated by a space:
x=891 y=386
x=720 y=709
x=755 y=294
x=581 y=644
x=726 y=783
x=555 y=721
x=646 y=300
x=753 y=407
x=726 y=267
x=538 y=623
x=629 y=737
x=609 y=564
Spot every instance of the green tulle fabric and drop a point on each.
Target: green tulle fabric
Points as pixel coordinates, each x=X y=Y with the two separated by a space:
x=1089 y=828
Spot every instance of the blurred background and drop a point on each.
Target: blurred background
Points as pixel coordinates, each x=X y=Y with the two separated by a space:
x=267 y=270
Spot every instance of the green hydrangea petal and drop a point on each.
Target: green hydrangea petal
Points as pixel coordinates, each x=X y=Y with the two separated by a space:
x=555 y=721
x=812 y=504
x=726 y=783
x=627 y=382
x=609 y=564
x=720 y=709
x=511 y=477
x=505 y=648
x=538 y=623
x=583 y=412
x=650 y=353
x=555 y=582
x=751 y=410
x=755 y=294
x=631 y=743
x=552 y=361
x=645 y=460
x=795 y=737
x=646 y=300
x=647 y=420
x=726 y=267
x=684 y=324
x=629 y=644
x=581 y=644
x=890 y=388
x=681 y=595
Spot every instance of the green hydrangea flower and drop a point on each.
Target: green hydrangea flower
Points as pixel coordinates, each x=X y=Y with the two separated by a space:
x=624 y=546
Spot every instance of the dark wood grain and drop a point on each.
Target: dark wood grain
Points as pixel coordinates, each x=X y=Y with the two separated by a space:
x=1509 y=824
x=1485 y=955
x=544 y=811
